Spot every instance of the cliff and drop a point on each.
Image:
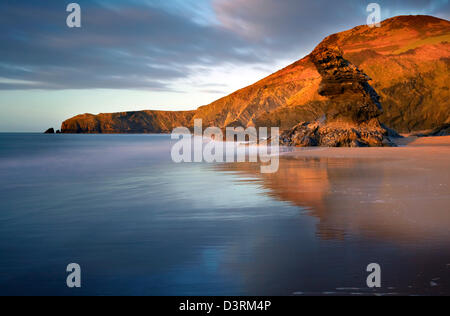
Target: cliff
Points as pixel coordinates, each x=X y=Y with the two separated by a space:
x=127 y=122
x=350 y=109
x=407 y=58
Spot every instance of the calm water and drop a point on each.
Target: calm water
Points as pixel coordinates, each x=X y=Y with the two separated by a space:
x=139 y=224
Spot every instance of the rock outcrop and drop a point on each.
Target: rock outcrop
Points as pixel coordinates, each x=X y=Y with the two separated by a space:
x=368 y=134
x=351 y=107
x=408 y=59
x=349 y=94
x=50 y=131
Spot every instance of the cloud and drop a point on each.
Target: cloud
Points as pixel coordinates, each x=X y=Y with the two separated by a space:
x=125 y=46
x=284 y=20
x=153 y=44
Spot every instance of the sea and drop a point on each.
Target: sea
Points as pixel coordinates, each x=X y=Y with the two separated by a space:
x=138 y=223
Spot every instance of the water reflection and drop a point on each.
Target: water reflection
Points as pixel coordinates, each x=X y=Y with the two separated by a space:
x=139 y=224
x=383 y=199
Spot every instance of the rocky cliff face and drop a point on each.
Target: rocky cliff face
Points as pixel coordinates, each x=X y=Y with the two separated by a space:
x=127 y=122
x=408 y=59
x=349 y=96
x=350 y=109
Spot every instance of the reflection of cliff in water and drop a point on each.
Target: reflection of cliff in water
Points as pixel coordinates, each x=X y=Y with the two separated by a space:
x=376 y=198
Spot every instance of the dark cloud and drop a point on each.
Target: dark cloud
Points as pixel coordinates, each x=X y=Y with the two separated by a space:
x=130 y=46
x=150 y=44
x=287 y=24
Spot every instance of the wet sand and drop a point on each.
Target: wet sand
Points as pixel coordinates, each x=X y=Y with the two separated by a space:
x=413 y=141
x=395 y=197
x=399 y=194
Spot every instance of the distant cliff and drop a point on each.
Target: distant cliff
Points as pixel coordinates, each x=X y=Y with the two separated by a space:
x=407 y=58
x=127 y=122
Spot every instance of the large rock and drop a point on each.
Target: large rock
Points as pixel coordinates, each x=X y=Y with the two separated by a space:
x=368 y=134
x=408 y=58
x=351 y=108
x=349 y=94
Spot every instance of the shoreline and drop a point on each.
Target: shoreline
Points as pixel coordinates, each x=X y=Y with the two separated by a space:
x=409 y=147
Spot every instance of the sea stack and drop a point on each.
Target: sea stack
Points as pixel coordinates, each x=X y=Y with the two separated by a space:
x=351 y=107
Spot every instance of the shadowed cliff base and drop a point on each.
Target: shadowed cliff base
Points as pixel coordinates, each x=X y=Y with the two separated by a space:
x=407 y=58
x=443 y=130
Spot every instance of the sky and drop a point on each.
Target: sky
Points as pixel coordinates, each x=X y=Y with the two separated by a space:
x=158 y=54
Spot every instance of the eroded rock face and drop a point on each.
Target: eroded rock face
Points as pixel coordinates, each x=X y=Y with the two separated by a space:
x=127 y=122
x=351 y=98
x=351 y=110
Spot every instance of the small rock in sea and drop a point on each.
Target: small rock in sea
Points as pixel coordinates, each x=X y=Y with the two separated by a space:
x=50 y=131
